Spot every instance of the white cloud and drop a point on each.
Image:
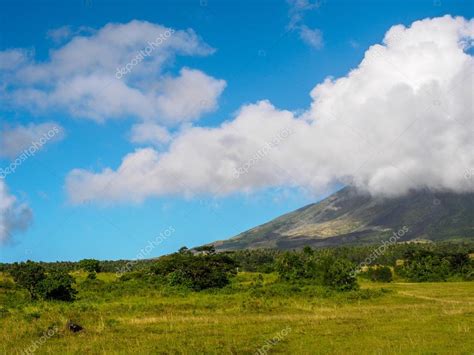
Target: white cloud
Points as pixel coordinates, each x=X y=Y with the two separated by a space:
x=14 y=216
x=354 y=44
x=403 y=119
x=58 y=35
x=298 y=8
x=11 y=59
x=149 y=133
x=15 y=139
x=84 y=77
x=199 y=160
x=313 y=37
x=189 y=95
x=61 y=34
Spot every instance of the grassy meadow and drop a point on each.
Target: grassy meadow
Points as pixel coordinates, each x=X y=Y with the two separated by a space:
x=130 y=317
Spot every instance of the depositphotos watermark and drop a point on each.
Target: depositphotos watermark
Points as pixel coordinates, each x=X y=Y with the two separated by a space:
x=381 y=249
x=263 y=350
x=37 y=343
x=143 y=53
x=263 y=152
x=469 y=173
x=152 y=244
x=29 y=152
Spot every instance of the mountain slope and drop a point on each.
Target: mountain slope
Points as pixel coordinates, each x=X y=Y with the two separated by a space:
x=348 y=217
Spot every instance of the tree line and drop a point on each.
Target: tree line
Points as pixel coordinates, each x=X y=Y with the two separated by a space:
x=203 y=268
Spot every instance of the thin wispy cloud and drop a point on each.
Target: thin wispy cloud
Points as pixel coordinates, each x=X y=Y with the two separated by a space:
x=298 y=8
x=64 y=33
x=312 y=37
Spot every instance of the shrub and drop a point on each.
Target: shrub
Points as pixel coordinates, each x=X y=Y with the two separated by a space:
x=321 y=268
x=258 y=260
x=293 y=266
x=7 y=284
x=196 y=272
x=290 y=267
x=339 y=275
x=57 y=286
x=179 y=278
x=3 y=312
x=28 y=275
x=468 y=274
x=32 y=316
x=380 y=274
x=425 y=268
x=90 y=265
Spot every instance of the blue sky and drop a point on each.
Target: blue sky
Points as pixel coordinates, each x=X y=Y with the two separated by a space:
x=259 y=54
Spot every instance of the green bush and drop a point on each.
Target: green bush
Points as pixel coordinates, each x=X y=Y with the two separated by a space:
x=57 y=286
x=293 y=266
x=90 y=265
x=255 y=260
x=320 y=268
x=380 y=274
x=197 y=272
x=339 y=275
x=468 y=274
x=425 y=268
x=28 y=275
x=290 y=266
x=437 y=263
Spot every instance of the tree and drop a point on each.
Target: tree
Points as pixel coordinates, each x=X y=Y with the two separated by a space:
x=339 y=275
x=90 y=265
x=197 y=272
x=423 y=268
x=28 y=275
x=290 y=266
x=257 y=260
x=206 y=249
x=319 y=267
x=57 y=286
x=294 y=266
x=183 y=250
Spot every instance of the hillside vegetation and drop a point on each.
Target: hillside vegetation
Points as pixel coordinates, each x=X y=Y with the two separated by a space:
x=349 y=217
x=247 y=302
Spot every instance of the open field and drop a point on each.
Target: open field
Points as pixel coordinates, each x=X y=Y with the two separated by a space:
x=127 y=317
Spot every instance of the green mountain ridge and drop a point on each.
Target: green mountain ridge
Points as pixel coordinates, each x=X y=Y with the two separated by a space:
x=349 y=217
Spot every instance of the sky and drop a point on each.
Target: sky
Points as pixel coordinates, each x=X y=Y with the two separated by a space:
x=122 y=122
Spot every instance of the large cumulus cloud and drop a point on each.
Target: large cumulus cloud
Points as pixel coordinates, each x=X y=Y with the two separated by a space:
x=401 y=120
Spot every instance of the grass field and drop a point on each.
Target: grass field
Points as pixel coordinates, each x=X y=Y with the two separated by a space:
x=130 y=318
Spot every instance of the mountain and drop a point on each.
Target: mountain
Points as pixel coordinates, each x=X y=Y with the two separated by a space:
x=349 y=217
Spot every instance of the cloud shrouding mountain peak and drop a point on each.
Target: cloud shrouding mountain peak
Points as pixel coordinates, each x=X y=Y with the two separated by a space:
x=401 y=120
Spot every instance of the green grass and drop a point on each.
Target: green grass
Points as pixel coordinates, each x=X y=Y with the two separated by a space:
x=136 y=318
